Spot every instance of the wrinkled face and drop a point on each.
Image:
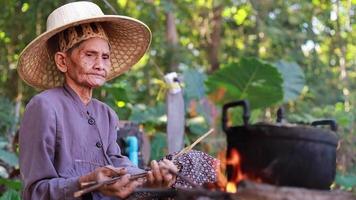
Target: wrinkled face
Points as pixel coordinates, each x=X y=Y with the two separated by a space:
x=89 y=63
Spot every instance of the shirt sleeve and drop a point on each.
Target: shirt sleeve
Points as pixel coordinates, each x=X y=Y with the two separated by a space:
x=37 y=154
x=114 y=151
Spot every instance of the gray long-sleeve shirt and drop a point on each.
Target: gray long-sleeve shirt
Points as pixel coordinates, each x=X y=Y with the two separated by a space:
x=62 y=139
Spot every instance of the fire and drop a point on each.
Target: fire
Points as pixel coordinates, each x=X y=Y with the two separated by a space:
x=235 y=161
x=231 y=187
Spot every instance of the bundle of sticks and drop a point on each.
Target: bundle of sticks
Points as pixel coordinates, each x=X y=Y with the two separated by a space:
x=91 y=186
x=94 y=185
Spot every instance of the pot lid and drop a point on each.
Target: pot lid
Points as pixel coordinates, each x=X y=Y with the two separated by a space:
x=287 y=131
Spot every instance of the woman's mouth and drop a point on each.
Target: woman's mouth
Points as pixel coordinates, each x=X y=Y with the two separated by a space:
x=100 y=75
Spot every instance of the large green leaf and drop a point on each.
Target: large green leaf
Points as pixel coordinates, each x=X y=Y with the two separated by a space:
x=9 y=157
x=13 y=184
x=258 y=82
x=347 y=181
x=197 y=125
x=158 y=146
x=293 y=79
x=194 y=84
x=195 y=90
x=11 y=194
x=6 y=114
x=145 y=114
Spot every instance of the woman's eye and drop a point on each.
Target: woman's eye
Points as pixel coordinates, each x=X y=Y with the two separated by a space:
x=88 y=54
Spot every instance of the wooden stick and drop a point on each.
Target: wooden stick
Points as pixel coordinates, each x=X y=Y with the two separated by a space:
x=97 y=185
x=98 y=165
x=190 y=147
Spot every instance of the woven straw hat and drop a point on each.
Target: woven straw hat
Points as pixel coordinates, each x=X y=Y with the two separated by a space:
x=129 y=40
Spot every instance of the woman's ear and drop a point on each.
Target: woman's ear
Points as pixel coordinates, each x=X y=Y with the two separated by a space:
x=60 y=59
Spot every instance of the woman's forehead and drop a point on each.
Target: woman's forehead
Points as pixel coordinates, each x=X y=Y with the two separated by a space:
x=95 y=44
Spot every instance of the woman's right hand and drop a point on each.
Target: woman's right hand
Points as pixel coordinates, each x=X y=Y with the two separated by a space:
x=121 y=188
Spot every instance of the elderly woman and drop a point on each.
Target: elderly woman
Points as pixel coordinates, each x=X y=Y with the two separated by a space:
x=66 y=136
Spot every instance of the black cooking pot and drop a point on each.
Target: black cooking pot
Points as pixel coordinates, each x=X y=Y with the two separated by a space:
x=282 y=154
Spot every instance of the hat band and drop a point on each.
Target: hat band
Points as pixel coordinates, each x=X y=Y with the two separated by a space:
x=73 y=35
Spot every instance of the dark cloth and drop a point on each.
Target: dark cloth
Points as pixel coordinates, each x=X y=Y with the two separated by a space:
x=62 y=139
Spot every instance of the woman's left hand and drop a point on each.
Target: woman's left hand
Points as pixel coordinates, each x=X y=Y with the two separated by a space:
x=159 y=175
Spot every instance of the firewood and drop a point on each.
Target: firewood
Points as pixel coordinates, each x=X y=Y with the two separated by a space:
x=248 y=190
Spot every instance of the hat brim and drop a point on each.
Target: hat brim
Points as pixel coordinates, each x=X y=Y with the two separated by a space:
x=129 y=40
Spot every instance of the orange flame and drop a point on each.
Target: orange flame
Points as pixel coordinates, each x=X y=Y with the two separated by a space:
x=235 y=160
x=231 y=187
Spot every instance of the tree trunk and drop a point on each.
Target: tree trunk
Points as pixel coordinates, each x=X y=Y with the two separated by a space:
x=215 y=38
x=172 y=40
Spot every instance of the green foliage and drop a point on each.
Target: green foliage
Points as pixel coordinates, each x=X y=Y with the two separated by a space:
x=9 y=158
x=6 y=122
x=194 y=84
x=11 y=194
x=343 y=119
x=6 y=110
x=13 y=189
x=11 y=184
x=258 y=82
x=346 y=182
x=293 y=79
x=158 y=146
x=144 y=114
x=198 y=125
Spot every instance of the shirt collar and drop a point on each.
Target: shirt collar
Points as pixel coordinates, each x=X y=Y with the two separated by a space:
x=75 y=97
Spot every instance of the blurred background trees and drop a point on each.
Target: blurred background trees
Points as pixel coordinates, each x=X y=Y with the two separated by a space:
x=306 y=50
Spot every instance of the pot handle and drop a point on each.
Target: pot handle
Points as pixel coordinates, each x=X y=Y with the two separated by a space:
x=280 y=115
x=332 y=123
x=245 y=116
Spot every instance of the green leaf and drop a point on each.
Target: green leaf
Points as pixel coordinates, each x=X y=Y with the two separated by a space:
x=197 y=125
x=347 y=181
x=194 y=84
x=143 y=114
x=240 y=16
x=122 y=3
x=13 y=184
x=11 y=195
x=158 y=146
x=293 y=79
x=258 y=82
x=9 y=157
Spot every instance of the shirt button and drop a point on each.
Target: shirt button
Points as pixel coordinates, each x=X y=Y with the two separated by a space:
x=99 y=144
x=91 y=121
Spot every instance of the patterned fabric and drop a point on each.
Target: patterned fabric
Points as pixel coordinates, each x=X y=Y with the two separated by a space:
x=197 y=166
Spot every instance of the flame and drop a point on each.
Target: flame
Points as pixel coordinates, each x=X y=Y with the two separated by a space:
x=235 y=160
x=231 y=187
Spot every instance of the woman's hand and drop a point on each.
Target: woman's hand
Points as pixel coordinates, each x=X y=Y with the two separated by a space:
x=159 y=176
x=121 y=188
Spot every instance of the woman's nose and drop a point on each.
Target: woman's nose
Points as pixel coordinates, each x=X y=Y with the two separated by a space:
x=100 y=64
